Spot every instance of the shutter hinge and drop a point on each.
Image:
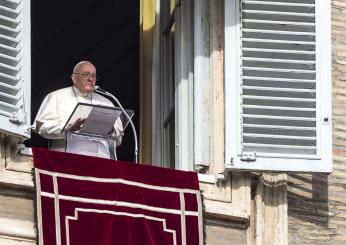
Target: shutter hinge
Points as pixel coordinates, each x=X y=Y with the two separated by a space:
x=248 y=157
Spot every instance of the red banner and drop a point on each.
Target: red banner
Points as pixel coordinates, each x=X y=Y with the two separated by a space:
x=88 y=200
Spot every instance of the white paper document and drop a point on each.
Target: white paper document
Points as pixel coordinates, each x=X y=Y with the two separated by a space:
x=100 y=121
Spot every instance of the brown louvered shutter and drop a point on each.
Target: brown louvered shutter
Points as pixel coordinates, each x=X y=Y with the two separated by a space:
x=15 y=67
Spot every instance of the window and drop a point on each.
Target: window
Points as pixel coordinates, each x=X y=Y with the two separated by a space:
x=163 y=87
x=168 y=98
x=15 y=67
x=278 y=85
x=173 y=86
x=184 y=84
x=164 y=107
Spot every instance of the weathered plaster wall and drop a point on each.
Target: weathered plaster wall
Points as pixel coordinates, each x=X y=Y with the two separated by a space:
x=220 y=232
x=17 y=222
x=227 y=202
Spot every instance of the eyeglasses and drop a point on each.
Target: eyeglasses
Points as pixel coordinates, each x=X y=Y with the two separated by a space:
x=87 y=75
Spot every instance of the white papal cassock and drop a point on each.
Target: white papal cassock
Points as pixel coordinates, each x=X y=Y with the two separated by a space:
x=55 y=111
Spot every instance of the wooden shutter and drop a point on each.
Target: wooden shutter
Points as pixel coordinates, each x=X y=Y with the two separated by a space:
x=15 y=67
x=280 y=83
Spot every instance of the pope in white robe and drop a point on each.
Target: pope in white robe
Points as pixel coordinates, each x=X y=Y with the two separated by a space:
x=58 y=106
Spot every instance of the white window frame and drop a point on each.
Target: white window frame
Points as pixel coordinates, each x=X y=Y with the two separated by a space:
x=23 y=129
x=233 y=106
x=190 y=112
x=183 y=87
x=163 y=105
x=202 y=84
x=184 y=110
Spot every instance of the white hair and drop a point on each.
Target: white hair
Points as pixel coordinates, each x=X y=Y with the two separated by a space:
x=75 y=69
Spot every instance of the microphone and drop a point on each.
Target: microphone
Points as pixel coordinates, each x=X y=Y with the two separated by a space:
x=98 y=89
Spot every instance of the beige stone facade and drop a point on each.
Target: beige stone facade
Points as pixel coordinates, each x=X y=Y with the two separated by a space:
x=17 y=195
x=243 y=208
x=316 y=202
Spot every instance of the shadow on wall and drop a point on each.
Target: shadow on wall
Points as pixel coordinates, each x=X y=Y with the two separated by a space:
x=307 y=197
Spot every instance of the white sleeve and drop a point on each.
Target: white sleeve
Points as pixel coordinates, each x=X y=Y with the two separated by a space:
x=48 y=123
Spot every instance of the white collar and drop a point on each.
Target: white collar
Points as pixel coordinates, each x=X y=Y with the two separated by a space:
x=79 y=93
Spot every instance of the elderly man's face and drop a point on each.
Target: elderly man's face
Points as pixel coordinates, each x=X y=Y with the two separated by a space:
x=85 y=77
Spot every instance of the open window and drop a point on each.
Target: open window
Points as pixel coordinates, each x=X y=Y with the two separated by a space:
x=278 y=85
x=173 y=86
x=164 y=88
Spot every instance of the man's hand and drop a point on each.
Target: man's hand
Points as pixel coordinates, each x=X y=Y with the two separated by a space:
x=76 y=125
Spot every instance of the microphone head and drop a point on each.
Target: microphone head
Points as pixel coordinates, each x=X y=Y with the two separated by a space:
x=100 y=90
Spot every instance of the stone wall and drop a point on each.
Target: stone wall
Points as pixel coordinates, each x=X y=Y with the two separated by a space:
x=317 y=202
x=17 y=205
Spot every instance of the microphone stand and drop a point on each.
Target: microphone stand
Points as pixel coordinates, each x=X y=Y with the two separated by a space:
x=100 y=90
